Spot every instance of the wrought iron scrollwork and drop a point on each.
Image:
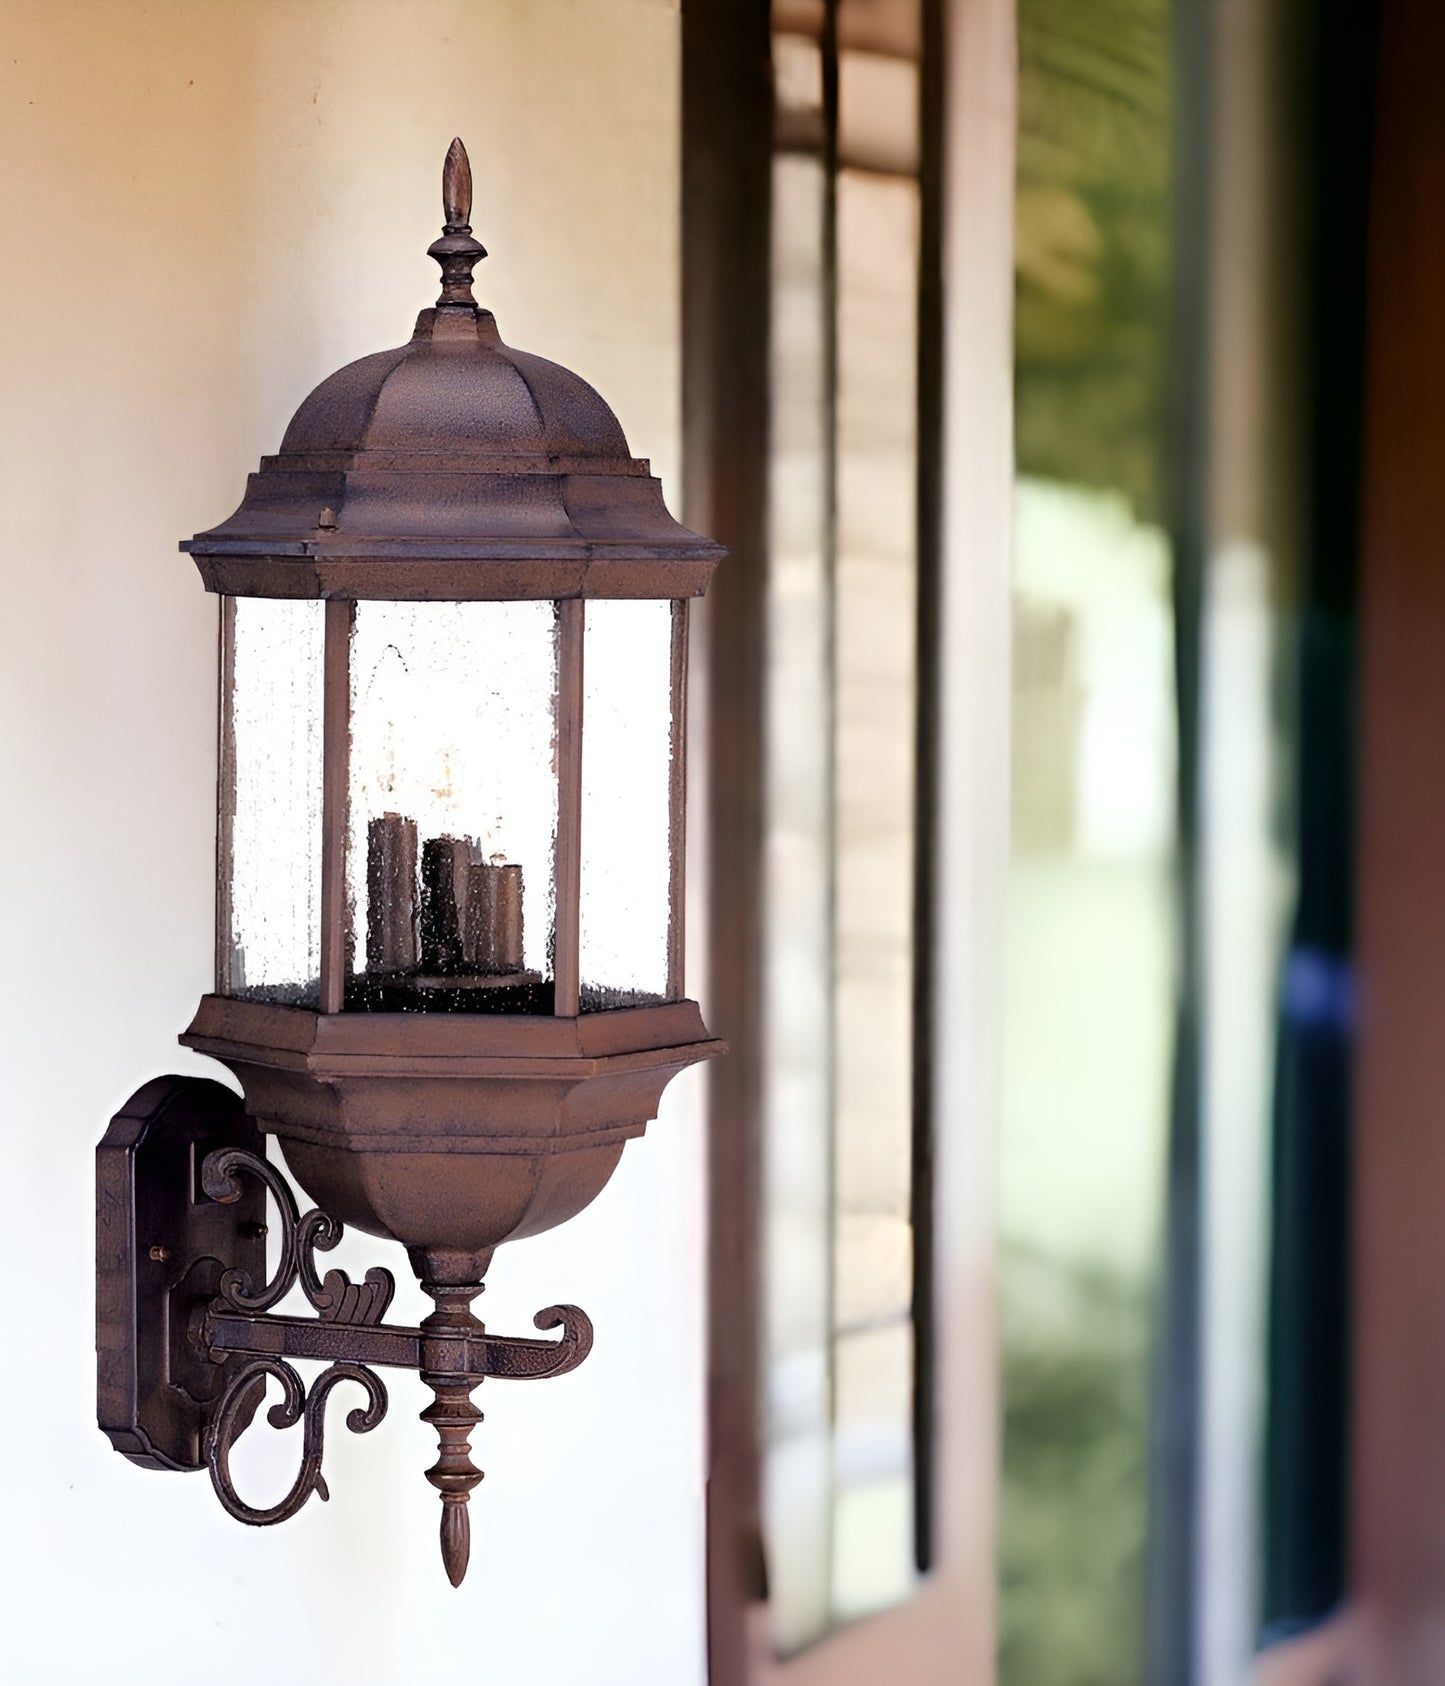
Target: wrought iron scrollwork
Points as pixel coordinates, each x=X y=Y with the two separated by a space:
x=526 y=1360
x=295 y=1405
x=336 y=1297
x=451 y=1352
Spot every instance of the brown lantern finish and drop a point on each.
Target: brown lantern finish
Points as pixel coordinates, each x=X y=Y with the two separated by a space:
x=425 y=982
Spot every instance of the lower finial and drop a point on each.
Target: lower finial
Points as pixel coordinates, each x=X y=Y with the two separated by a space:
x=453 y=1416
x=456 y=1536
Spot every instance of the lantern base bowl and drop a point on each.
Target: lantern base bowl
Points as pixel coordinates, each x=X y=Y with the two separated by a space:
x=449 y=1132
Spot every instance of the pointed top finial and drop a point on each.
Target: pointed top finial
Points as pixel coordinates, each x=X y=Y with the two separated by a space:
x=457 y=186
x=456 y=251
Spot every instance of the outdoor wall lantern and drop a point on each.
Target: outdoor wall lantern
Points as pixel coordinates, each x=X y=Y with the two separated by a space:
x=454 y=617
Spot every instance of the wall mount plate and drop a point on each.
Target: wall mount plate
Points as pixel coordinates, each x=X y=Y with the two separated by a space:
x=161 y=1246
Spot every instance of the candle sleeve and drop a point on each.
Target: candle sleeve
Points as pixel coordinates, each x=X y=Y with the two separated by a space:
x=494 y=916
x=444 y=873
x=391 y=924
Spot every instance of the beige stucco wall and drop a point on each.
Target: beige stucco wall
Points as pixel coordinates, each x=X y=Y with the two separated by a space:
x=205 y=206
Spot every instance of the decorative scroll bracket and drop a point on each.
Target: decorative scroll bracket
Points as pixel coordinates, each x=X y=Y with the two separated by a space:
x=186 y=1337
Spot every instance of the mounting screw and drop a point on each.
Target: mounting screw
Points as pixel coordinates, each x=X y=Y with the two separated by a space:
x=255 y=1231
x=160 y=1254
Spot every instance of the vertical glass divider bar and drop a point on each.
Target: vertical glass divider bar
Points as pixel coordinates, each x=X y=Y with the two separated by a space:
x=927 y=702
x=225 y=794
x=335 y=777
x=828 y=44
x=566 y=960
x=677 y=808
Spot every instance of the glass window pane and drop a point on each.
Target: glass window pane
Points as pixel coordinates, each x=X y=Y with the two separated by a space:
x=873 y=1469
x=270 y=833
x=875 y=586
x=1093 y=978
x=873 y=1268
x=453 y=807
x=872 y=1544
x=840 y=831
x=797 y=1515
x=798 y=83
x=1088 y=1048
x=873 y=1402
x=878 y=113
x=627 y=750
x=797 y=1009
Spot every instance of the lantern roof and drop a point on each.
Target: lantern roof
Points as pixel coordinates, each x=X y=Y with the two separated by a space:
x=454 y=467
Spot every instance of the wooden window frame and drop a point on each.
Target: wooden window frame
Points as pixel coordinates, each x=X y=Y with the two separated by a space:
x=728 y=151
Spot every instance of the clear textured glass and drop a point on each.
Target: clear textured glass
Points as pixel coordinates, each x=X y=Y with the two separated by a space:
x=626 y=826
x=270 y=818
x=452 y=827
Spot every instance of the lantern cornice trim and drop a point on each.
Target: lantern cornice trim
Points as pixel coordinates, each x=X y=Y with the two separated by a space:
x=453 y=450
x=469 y=573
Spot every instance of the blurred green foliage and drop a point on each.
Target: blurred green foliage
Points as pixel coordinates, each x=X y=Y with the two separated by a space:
x=1074 y=1499
x=1092 y=244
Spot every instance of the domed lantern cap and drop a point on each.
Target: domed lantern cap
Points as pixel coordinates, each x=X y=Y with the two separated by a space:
x=454 y=467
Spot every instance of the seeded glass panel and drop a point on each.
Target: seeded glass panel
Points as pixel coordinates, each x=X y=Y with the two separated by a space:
x=270 y=821
x=453 y=807
x=626 y=803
